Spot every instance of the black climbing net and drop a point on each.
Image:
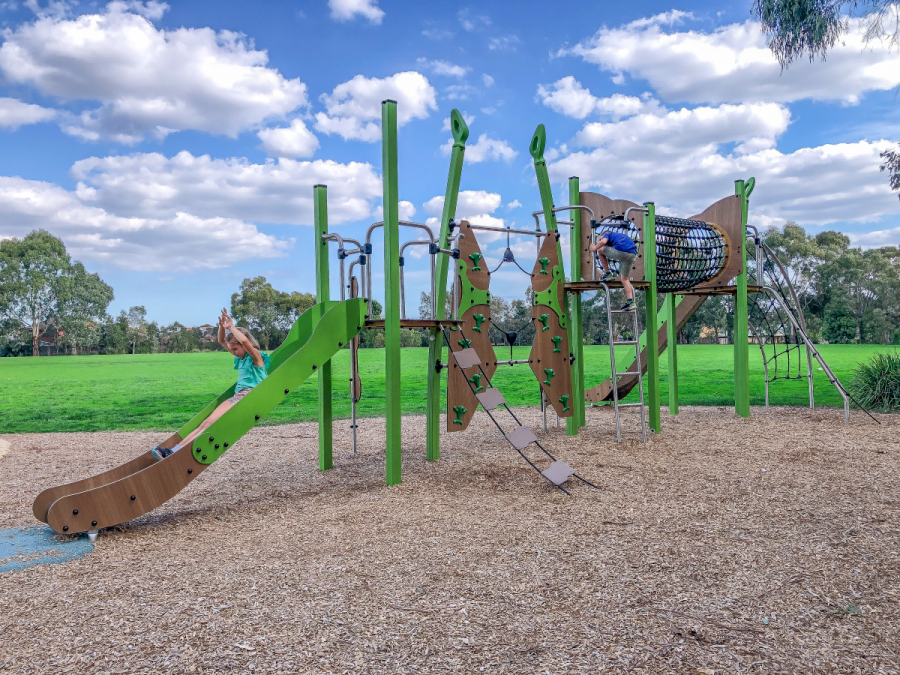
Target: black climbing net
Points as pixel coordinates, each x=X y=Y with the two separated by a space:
x=688 y=252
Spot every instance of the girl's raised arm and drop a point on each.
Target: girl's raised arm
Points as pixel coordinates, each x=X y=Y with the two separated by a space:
x=245 y=343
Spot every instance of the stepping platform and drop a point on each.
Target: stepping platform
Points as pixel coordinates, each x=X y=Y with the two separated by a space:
x=558 y=472
x=491 y=398
x=466 y=358
x=589 y=286
x=415 y=323
x=521 y=437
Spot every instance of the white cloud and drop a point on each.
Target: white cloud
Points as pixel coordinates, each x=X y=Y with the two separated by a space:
x=132 y=243
x=488 y=148
x=444 y=67
x=568 y=97
x=151 y=185
x=354 y=107
x=471 y=22
x=514 y=204
x=733 y=64
x=438 y=34
x=504 y=43
x=147 y=81
x=152 y=9
x=406 y=211
x=347 y=10
x=293 y=141
x=488 y=81
x=687 y=159
x=466 y=116
x=467 y=203
x=15 y=113
x=459 y=92
x=876 y=238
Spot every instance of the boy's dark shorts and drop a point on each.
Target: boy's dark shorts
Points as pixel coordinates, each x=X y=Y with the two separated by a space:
x=625 y=259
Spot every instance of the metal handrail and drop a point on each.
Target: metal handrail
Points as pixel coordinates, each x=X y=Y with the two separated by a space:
x=372 y=228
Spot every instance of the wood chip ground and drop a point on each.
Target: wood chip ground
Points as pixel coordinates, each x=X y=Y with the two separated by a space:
x=768 y=545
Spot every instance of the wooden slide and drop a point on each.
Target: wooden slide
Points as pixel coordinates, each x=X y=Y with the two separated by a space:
x=139 y=486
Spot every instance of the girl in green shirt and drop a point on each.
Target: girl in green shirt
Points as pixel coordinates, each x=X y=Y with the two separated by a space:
x=251 y=364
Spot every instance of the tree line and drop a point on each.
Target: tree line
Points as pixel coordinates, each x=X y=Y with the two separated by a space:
x=848 y=295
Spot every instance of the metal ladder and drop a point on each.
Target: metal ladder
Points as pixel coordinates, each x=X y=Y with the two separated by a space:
x=613 y=343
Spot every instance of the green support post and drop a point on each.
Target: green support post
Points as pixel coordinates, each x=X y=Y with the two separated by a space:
x=391 y=292
x=435 y=348
x=576 y=325
x=320 y=217
x=741 y=318
x=538 y=142
x=651 y=323
x=672 y=345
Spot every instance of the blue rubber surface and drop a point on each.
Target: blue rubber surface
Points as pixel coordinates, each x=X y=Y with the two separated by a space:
x=24 y=547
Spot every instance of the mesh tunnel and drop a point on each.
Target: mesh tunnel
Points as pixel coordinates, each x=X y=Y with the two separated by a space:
x=688 y=252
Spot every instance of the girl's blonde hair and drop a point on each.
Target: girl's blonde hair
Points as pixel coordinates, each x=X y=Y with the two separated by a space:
x=229 y=336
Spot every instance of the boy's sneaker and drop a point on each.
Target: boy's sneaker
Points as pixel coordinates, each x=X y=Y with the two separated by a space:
x=628 y=306
x=609 y=276
x=160 y=453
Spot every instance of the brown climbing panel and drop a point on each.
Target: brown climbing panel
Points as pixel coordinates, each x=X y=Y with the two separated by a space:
x=125 y=499
x=474 y=327
x=725 y=214
x=549 y=359
x=604 y=207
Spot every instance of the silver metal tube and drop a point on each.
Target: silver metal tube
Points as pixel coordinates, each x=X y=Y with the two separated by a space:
x=508 y=230
x=543 y=407
x=372 y=228
x=640 y=369
x=413 y=242
x=612 y=363
x=511 y=362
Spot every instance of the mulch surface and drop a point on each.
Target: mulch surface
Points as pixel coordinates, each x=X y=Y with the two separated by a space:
x=722 y=546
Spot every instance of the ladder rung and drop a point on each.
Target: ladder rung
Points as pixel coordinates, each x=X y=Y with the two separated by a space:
x=621 y=311
x=625 y=342
x=627 y=372
x=630 y=405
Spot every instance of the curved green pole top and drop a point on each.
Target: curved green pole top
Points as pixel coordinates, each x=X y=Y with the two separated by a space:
x=748 y=186
x=459 y=128
x=538 y=141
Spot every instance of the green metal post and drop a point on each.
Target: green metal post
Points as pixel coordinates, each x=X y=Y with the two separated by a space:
x=391 y=292
x=435 y=348
x=741 y=318
x=320 y=217
x=576 y=329
x=651 y=323
x=672 y=346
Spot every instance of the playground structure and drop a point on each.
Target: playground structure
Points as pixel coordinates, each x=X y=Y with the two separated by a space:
x=691 y=259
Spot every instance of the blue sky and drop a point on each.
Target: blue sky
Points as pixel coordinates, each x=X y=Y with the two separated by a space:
x=174 y=146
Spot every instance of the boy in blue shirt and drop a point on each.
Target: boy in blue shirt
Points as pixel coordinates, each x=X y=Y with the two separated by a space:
x=619 y=247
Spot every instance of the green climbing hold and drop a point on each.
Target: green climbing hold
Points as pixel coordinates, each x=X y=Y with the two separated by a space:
x=476 y=380
x=556 y=339
x=549 y=372
x=475 y=257
x=460 y=411
x=565 y=401
x=544 y=262
x=479 y=319
x=465 y=344
x=543 y=318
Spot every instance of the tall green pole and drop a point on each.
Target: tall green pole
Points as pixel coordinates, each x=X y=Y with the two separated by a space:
x=741 y=318
x=672 y=344
x=435 y=348
x=651 y=322
x=391 y=292
x=576 y=325
x=323 y=294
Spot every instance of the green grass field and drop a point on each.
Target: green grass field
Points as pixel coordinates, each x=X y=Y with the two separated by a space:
x=162 y=391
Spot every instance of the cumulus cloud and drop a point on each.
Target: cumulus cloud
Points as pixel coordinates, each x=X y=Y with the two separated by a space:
x=468 y=202
x=487 y=80
x=484 y=149
x=151 y=185
x=876 y=238
x=354 y=107
x=733 y=64
x=179 y=242
x=147 y=81
x=293 y=141
x=472 y=22
x=504 y=43
x=15 y=113
x=514 y=204
x=406 y=211
x=687 y=159
x=569 y=97
x=347 y=10
x=444 y=67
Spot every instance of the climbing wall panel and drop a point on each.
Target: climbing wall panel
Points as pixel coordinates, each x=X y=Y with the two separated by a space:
x=549 y=359
x=474 y=302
